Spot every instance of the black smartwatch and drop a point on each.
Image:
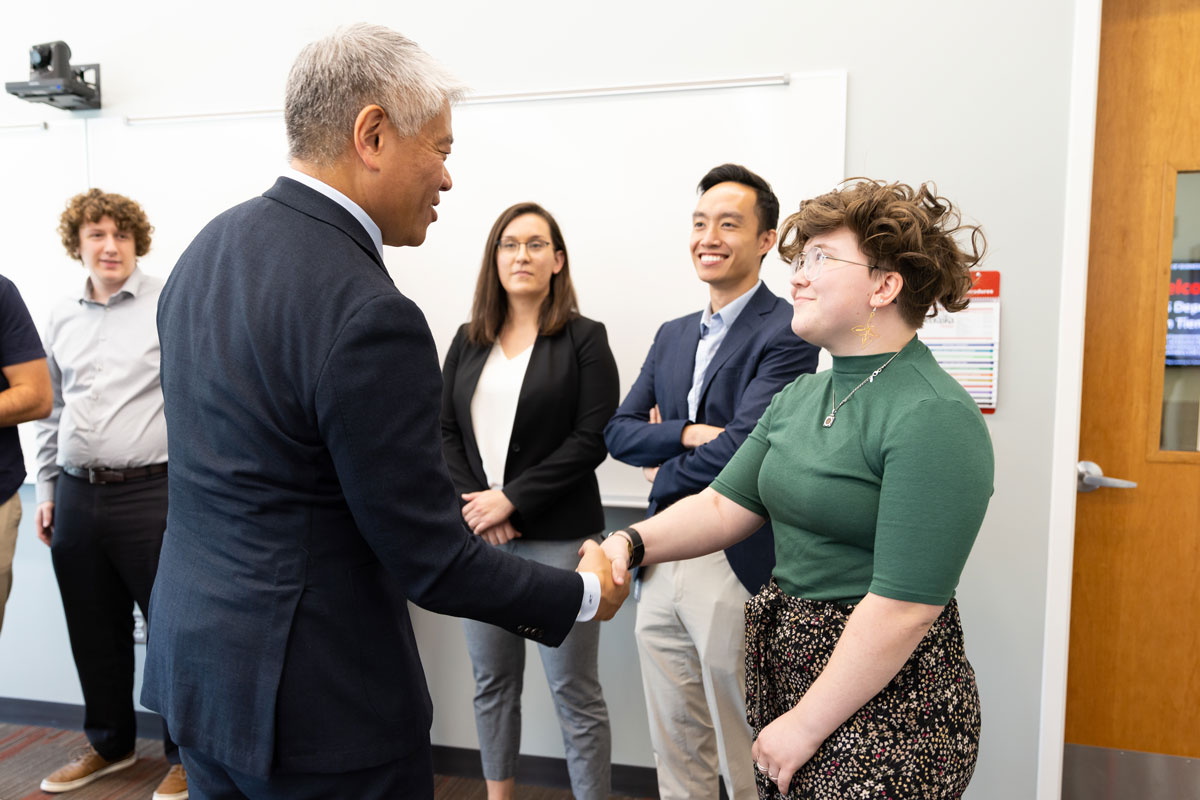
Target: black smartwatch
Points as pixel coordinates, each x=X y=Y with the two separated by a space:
x=637 y=550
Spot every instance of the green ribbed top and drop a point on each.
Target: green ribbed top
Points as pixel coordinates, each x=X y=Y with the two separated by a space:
x=888 y=500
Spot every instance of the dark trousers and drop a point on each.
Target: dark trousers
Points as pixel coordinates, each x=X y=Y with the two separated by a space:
x=408 y=778
x=105 y=551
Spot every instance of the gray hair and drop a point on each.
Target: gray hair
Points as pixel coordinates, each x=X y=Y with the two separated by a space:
x=336 y=77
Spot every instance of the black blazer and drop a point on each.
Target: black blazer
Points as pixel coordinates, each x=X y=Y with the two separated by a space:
x=569 y=392
x=309 y=501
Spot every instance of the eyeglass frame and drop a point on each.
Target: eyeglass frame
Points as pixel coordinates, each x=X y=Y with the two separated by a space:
x=802 y=259
x=542 y=246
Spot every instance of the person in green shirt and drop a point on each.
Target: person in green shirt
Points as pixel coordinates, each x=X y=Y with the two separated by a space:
x=876 y=476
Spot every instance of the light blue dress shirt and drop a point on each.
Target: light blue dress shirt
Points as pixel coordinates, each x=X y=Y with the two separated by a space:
x=108 y=404
x=713 y=328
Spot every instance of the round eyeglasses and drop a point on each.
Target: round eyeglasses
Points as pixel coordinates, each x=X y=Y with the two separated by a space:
x=510 y=247
x=813 y=263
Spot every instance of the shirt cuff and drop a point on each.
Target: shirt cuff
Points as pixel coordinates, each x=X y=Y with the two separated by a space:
x=45 y=489
x=591 y=596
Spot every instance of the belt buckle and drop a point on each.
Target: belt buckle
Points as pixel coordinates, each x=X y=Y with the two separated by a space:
x=103 y=476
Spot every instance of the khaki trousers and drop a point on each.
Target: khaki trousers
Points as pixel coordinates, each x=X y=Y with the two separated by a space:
x=10 y=518
x=692 y=645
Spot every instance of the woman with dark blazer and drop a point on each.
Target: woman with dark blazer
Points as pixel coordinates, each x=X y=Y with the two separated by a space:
x=529 y=386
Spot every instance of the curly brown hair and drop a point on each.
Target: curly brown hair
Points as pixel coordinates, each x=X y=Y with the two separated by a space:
x=94 y=204
x=899 y=229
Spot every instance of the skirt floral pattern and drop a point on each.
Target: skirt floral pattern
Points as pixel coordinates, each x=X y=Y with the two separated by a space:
x=917 y=739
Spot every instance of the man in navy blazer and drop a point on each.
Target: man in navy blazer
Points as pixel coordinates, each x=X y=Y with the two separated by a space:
x=706 y=381
x=309 y=500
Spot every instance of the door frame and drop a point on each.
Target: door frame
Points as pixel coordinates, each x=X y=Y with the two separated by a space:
x=1077 y=212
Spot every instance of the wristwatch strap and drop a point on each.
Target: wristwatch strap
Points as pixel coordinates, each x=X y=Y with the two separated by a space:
x=637 y=550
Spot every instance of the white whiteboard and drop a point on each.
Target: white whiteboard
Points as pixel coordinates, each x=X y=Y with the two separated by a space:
x=619 y=173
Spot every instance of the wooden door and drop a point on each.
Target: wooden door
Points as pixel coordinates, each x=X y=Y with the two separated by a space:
x=1134 y=665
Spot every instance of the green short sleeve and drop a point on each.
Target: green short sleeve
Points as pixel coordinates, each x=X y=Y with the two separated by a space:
x=937 y=480
x=738 y=481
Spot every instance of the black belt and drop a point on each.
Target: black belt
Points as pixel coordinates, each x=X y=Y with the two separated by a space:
x=106 y=475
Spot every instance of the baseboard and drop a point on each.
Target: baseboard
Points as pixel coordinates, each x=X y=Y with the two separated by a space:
x=462 y=762
x=457 y=761
x=67 y=716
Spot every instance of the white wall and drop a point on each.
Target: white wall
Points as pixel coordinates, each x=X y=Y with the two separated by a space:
x=973 y=94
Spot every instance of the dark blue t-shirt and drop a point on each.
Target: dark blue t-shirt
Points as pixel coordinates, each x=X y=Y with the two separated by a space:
x=19 y=342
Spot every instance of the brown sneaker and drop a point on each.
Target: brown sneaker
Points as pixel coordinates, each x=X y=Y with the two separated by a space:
x=86 y=766
x=174 y=786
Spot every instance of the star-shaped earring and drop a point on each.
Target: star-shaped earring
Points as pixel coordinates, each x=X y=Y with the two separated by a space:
x=865 y=330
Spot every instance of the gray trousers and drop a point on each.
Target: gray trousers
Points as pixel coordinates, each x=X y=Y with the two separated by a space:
x=498 y=658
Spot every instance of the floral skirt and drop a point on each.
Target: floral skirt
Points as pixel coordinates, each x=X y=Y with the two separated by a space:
x=917 y=738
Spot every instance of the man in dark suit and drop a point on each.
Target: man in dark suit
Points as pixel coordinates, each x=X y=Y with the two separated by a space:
x=706 y=381
x=309 y=500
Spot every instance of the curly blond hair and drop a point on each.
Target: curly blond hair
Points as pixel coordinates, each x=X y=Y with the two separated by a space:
x=900 y=229
x=94 y=204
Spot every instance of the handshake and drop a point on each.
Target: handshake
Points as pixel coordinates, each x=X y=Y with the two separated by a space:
x=610 y=563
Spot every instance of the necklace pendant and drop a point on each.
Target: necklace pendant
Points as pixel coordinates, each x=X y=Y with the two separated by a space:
x=828 y=423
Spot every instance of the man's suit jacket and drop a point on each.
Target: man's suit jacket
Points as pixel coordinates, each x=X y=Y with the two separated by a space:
x=759 y=356
x=309 y=500
x=569 y=392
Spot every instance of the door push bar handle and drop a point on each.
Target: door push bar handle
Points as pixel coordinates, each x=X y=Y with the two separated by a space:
x=1091 y=477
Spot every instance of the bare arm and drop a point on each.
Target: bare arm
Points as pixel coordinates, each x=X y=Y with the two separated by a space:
x=28 y=396
x=696 y=525
x=879 y=637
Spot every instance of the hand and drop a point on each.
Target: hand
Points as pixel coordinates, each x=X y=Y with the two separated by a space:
x=486 y=509
x=43 y=521
x=612 y=594
x=697 y=434
x=650 y=473
x=616 y=548
x=655 y=415
x=499 y=534
x=783 y=747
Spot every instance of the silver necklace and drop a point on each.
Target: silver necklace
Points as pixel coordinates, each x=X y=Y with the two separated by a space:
x=829 y=420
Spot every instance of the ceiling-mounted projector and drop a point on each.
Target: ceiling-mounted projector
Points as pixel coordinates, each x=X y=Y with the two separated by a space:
x=53 y=81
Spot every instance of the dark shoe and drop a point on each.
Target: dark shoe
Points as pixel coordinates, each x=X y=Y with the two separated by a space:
x=174 y=786
x=85 y=767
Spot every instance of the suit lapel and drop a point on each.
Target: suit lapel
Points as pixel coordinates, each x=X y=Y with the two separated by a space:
x=316 y=205
x=538 y=371
x=683 y=364
x=470 y=367
x=744 y=328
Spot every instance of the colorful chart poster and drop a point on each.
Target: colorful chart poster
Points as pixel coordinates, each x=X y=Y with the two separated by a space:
x=967 y=344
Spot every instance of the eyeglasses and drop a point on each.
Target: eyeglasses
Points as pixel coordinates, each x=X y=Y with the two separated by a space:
x=813 y=263
x=510 y=247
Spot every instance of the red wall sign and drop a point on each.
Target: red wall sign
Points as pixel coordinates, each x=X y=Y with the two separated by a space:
x=987 y=283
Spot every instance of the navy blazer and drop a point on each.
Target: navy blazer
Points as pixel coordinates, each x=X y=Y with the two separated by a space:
x=309 y=501
x=569 y=392
x=759 y=356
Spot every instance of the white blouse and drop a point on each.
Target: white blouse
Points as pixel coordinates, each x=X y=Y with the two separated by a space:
x=494 y=407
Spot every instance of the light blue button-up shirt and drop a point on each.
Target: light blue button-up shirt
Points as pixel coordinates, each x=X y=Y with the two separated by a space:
x=108 y=404
x=713 y=328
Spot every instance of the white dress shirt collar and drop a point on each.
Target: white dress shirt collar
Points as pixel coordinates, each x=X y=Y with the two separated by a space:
x=345 y=202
